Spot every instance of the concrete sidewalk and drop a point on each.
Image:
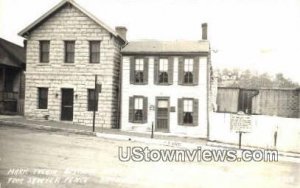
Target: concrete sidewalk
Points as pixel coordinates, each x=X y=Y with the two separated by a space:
x=116 y=134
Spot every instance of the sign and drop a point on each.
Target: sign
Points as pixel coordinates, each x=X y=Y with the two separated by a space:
x=173 y=109
x=98 y=88
x=152 y=107
x=240 y=122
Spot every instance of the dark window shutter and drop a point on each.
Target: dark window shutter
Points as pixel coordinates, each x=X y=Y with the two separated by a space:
x=170 y=70
x=180 y=70
x=145 y=109
x=131 y=109
x=146 y=60
x=132 y=63
x=195 y=112
x=196 y=71
x=156 y=68
x=180 y=111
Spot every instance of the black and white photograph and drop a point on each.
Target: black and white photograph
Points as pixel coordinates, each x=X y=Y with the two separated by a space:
x=150 y=93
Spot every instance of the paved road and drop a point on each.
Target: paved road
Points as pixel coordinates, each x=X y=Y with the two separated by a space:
x=32 y=158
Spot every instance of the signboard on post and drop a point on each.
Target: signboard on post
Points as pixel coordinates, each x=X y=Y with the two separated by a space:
x=240 y=122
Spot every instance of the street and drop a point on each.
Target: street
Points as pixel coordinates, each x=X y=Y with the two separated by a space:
x=36 y=158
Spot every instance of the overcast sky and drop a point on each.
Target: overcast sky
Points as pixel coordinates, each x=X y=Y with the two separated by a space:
x=262 y=35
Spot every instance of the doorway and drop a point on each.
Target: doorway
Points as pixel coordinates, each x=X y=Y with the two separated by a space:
x=67 y=100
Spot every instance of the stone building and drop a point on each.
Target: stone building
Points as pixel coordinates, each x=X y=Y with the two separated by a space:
x=66 y=48
x=166 y=84
x=12 y=79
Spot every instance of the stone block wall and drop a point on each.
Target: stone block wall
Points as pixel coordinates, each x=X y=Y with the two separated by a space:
x=69 y=23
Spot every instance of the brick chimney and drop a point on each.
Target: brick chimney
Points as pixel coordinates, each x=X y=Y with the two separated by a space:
x=122 y=31
x=204 y=31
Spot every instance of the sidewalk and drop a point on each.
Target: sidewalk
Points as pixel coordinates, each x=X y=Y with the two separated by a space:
x=116 y=134
x=20 y=121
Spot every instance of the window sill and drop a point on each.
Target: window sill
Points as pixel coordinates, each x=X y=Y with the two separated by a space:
x=183 y=84
x=163 y=84
x=43 y=64
x=138 y=122
x=69 y=64
x=139 y=83
x=188 y=125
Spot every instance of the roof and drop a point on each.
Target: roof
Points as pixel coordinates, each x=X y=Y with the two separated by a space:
x=57 y=7
x=12 y=54
x=152 y=46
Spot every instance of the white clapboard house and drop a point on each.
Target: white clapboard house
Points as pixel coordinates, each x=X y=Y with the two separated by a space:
x=166 y=84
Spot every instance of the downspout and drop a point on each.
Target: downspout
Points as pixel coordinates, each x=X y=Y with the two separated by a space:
x=207 y=95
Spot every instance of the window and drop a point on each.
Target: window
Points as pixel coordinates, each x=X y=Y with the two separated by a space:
x=94 y=51
x=139 y=71
x=188 y=71
x=163 y=71
x=44 y=51
x=42 y=98
x=138 y=109
x=92 y=100
x=188 y=111
x=69 y=51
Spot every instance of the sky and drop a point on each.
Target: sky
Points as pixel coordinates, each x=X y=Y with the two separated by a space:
x=260 y=35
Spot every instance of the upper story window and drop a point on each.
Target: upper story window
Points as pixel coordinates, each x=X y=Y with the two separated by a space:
x=139 y=71
x=69 y=51
x=188 y=111
x=163 y=71
x=188 y=71
x=44 y=51
x=42 y=98
x=94 y=51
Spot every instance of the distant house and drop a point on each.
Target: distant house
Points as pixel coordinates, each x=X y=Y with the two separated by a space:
x=66 y=47
x=167 y=84
x=12 y=79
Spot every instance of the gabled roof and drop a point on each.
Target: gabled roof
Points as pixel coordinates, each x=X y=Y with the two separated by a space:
x=13 y=55
x=57 y=7
x=167 y=47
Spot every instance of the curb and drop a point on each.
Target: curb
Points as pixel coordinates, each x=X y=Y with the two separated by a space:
x=48 y=128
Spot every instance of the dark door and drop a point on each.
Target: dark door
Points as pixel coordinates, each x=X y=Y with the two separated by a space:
x=67 y=97
x=162 y=114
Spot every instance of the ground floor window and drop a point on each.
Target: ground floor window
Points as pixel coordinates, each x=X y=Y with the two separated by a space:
x=92 y=100
x=42 y=98
x=188 y=111
x=138 y=109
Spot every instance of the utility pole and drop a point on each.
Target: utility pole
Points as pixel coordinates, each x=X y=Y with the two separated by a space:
x=95 y=103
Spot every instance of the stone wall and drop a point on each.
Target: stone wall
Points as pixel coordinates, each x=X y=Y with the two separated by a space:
x=69 y=23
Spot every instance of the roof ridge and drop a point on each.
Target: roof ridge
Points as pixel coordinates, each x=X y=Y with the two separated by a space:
x=83 y=10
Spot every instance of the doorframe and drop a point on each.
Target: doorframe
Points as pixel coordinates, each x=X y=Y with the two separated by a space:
x=61 y=104
x=156 y=106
